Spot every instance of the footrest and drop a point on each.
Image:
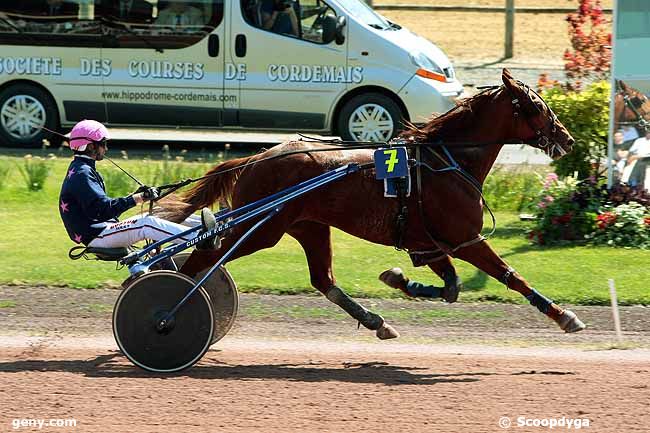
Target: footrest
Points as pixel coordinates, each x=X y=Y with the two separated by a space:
x=105 y=254
x=109 y=254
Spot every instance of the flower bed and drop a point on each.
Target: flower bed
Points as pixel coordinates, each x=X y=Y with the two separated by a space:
x=585 y=211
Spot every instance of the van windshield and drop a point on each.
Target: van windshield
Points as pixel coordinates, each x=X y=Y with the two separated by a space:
x=359 y=9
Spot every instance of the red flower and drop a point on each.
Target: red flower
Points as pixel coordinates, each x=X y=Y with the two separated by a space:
x=646 y=221
x=605 y=220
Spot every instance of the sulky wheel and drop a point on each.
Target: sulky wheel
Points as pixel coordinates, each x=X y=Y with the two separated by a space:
x=224 y=296
x=139 y=310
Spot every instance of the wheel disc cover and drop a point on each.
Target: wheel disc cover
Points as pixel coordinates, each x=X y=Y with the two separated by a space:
x=222 y=291
x=138 y=310
x=22 y=116
x=371 y=122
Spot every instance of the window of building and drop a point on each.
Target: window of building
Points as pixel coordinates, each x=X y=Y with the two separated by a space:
x=633 y=18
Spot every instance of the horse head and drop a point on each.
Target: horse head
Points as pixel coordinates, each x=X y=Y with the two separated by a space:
x=537 y=124
x=631 y=107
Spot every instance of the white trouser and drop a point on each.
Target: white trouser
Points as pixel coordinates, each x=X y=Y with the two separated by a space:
x=140 y=227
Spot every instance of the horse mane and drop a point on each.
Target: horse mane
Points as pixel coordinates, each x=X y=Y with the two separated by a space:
x=447 y=124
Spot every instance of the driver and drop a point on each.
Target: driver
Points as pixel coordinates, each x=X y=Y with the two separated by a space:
x=90 y=216
x=279 y=16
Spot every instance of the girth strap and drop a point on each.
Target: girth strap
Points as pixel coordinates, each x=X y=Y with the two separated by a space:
x=402 y=213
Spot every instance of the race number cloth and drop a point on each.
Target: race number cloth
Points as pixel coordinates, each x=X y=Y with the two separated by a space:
x=391 y=165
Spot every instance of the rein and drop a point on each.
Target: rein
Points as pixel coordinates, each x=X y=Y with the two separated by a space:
x=339 y=145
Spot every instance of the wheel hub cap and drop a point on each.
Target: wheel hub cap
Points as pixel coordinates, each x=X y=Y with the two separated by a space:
x=22 y=116
x=371 y=122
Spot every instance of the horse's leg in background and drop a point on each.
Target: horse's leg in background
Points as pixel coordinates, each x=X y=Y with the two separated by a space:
x=315 y=239
x=483 y=257
x=443 y=268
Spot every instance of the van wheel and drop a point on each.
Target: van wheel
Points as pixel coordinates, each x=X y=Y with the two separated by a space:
x=370 y=117
x=24 y=110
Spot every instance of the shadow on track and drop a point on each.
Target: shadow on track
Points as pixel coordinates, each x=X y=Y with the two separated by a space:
x=116 y=365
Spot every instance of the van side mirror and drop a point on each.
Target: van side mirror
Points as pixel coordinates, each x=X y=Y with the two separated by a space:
x=341 y=21
x=329 y=28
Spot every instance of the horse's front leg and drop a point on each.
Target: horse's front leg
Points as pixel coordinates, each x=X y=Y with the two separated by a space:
x=443 y=268
x=483 y=257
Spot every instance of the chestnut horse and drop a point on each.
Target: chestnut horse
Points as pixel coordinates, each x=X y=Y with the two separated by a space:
x=631 y=107
x=446 y=223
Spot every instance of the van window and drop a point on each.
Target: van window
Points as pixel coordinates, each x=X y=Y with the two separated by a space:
x=109 y=23
x=302 y=19
x=50 y=22
x=364 y=13
x=164 y=24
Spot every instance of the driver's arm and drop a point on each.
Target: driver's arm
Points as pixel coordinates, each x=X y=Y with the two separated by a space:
x=268 y=20
x=294 y=21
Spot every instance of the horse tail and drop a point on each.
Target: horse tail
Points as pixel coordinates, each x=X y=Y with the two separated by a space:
x=216 y=184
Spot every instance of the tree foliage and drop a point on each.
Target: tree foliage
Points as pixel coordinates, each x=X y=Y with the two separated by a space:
x=585 y=114
x=591 y=39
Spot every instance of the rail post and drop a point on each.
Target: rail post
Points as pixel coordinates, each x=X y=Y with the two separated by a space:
x=510 y=27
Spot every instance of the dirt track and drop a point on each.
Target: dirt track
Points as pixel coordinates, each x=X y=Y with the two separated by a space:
x=276 y=373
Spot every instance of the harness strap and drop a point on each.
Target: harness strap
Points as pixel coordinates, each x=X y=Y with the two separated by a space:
x=440 y=245
x=402 y=214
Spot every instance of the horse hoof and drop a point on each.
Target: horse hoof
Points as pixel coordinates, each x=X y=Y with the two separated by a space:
x=386 y=332
x=569 y=322
x=452 y=288
x=394 y=278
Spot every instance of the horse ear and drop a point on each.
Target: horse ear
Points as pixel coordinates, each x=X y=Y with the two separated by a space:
x=508 y=80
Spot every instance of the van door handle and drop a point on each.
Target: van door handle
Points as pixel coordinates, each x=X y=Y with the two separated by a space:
x=240 y=45
x=213 y=45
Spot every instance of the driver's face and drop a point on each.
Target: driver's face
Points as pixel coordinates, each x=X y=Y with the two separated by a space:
x=100 y=150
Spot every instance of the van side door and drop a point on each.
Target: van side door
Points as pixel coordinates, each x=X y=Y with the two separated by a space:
x=287 y=75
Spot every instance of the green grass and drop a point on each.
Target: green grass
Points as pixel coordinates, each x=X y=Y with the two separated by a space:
x=7 y=304
x=34 y=246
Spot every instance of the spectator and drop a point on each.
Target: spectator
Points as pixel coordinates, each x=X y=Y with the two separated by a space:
x=630 y=133
x=621 y=153
x=279 y=16
x=130 y=10
x=60 y=7
x=635 y=160
x=179 y=14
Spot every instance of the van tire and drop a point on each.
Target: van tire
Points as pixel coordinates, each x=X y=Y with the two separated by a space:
x=23 y=110
x=355 y=112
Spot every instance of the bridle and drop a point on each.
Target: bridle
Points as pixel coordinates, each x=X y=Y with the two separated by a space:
x=628 y=103
x=544 y=141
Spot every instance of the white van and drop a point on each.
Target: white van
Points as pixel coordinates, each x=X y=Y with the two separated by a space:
x=333 y=67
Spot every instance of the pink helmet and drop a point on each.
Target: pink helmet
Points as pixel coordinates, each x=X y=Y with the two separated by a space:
x=86 y=132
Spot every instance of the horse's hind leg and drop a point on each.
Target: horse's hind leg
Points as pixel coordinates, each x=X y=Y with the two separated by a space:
x=315 y=239
x=443 y=268
x=483 y=257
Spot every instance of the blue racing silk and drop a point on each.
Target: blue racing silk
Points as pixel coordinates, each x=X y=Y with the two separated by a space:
x=83 y=204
